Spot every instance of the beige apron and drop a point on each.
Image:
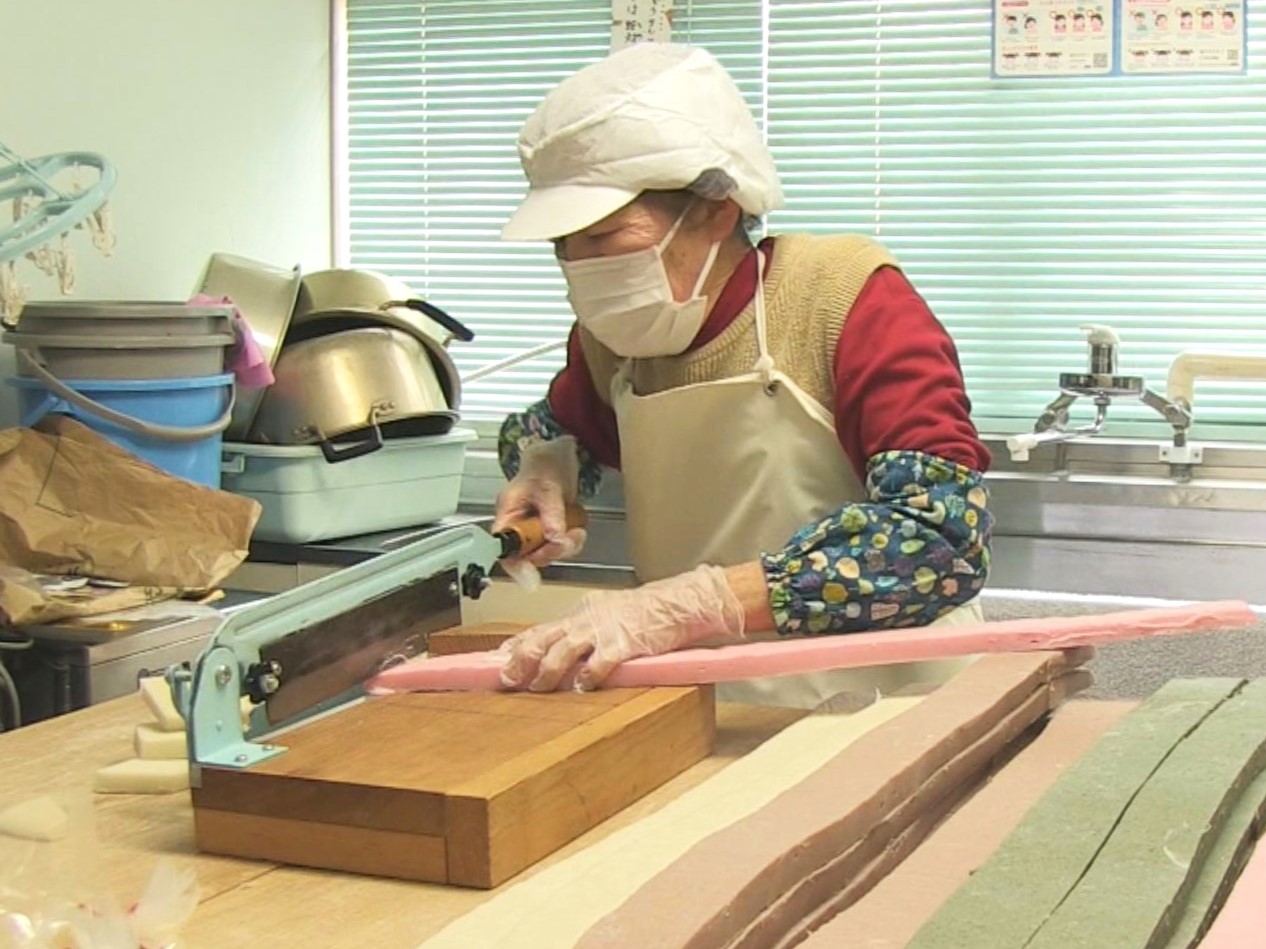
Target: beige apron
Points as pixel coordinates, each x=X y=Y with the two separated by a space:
x=716 y=472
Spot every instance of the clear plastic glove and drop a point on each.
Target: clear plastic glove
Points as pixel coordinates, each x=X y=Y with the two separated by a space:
x=548 y=476
x=607 y=628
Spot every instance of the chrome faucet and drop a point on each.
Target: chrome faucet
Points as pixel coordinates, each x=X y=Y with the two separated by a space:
x=1102 y=384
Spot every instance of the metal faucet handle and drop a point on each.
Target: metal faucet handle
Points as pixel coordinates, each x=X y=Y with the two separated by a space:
x=1103 y=342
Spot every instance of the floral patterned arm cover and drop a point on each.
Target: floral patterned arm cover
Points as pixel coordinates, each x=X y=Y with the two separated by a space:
x=919 y=549
x=534 y=423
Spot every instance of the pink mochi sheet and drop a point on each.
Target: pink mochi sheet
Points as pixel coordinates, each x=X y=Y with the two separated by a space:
x=481 y=671
x=1241 y=923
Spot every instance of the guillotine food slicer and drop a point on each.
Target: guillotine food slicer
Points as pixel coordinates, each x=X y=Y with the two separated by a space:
x=310 y=650
x=461 y=789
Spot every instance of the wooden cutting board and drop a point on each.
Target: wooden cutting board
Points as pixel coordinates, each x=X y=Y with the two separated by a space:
x=461 y=788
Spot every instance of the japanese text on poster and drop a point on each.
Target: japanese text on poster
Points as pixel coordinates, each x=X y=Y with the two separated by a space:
x=640 y=21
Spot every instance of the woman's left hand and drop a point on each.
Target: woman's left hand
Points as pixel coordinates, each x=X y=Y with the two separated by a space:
x=607 y=628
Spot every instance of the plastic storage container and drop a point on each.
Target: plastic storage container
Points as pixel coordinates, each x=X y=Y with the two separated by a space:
x=407 y=482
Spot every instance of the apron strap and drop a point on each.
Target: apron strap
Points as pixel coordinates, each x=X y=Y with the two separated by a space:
x=764 y=362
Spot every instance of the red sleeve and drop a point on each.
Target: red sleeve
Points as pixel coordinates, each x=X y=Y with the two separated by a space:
x=573 y=399
x=898 y=383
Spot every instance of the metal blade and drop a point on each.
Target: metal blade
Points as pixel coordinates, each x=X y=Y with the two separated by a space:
x=325 y=660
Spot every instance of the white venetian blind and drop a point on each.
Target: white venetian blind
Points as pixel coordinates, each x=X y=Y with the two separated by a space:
x=1020 y=208
x=1024 y=208
x=437 y=92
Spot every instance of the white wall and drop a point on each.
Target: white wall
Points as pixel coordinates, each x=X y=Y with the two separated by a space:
x=215 y=112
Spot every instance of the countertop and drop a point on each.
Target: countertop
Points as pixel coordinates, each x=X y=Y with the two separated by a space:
x=1136 y=669
x=246 y=903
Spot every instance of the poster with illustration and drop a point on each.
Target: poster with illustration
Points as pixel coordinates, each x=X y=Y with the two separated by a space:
x=1177 y=36
x=1052 y=38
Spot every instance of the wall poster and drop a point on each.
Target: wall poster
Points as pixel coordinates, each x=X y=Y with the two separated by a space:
x=1171 y=36
x=1034 y=38
x=1053 y=38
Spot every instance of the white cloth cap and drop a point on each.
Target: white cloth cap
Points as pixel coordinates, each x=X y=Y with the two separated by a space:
x=652 y=116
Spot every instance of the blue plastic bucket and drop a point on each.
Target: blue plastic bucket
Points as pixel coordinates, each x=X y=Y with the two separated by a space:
x=183 y=418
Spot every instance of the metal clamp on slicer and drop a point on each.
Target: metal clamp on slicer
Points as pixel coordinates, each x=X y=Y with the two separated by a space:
x=1102 y=384
x=311 y=649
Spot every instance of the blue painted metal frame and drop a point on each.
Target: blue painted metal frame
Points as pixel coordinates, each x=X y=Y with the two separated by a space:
x=210 y=696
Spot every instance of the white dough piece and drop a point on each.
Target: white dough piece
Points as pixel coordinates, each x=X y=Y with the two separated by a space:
x=142 y=776
x=37 y=818
x=152 y=742
x=157 y=695
x=592 y=882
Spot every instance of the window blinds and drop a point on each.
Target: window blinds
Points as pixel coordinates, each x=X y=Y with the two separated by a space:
x=1021 y=209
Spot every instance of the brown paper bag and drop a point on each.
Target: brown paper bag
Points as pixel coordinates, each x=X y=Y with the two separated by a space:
x=73 y=502
x=27 y=599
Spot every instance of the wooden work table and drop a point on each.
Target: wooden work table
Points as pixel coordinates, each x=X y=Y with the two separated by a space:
x=120 y=838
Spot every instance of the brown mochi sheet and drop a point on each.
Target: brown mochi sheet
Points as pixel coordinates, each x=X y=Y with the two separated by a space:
x=714 y=892
x=889 y=915
x=849 y=877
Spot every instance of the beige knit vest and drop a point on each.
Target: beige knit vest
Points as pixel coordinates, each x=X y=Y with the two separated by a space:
x=810 y=288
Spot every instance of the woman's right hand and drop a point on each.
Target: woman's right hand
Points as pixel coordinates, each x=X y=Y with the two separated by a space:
x=546 y=482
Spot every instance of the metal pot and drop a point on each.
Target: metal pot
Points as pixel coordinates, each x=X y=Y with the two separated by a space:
x=320 y=323
x=324 y=291
x=356 y=386
x=340 y=289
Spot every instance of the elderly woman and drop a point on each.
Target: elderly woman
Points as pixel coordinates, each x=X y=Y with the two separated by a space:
x=789 y=417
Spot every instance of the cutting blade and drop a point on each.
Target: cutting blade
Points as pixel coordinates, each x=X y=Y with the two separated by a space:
x=326 y=659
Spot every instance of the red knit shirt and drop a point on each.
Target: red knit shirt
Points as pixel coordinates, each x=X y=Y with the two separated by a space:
x=898 y=384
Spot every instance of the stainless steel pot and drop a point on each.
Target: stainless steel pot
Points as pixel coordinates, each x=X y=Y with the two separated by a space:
x=320 y=323
x=340 y=289
x=347 y=390
x=324 y=291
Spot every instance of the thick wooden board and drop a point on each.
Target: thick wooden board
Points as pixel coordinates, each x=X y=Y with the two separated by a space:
x=463 y=788
x=1006 y=902
x=478 y=637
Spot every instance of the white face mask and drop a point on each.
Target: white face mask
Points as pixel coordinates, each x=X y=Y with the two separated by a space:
x=627 y=303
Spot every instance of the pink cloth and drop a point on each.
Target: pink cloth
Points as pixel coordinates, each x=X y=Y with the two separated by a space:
x=244 y=359
x=481 y=671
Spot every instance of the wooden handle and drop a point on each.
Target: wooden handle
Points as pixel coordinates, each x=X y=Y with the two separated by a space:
x=522 y=537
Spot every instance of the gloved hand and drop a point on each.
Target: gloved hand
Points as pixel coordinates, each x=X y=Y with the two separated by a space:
x=549 y=472
x=608 y=627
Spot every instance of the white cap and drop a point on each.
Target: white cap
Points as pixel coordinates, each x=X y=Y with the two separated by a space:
x=652 y=116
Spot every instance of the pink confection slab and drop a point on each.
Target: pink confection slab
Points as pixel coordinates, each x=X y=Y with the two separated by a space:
x=1241 y=923
x=481 y=671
